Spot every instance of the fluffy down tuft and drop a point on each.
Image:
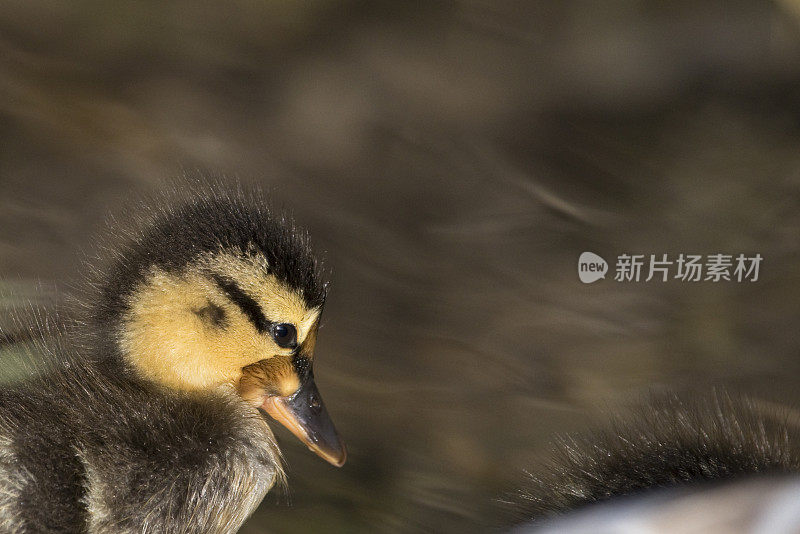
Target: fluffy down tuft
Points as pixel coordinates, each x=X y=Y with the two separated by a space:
x=666 y=442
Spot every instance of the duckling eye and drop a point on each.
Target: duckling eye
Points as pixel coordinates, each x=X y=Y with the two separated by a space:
x=285 y=335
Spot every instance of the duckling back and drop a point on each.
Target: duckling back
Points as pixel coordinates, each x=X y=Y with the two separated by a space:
x=670 y=441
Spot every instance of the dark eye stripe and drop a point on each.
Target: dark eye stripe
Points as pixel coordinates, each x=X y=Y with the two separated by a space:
x=245 y=302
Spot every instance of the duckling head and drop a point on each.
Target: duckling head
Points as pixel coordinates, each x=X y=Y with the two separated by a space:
x=221 y=292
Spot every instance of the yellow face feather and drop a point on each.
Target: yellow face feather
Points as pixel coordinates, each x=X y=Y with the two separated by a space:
x=184 y=332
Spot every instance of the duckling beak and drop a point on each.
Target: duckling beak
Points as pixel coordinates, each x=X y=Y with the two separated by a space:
x=304 y=414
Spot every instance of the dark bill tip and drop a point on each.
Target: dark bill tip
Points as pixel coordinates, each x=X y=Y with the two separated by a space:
x=304 y=414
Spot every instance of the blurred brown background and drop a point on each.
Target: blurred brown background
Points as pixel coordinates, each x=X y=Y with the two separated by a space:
x=452 y=160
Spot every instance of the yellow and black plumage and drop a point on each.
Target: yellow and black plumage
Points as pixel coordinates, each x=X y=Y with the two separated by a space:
x=149 y=419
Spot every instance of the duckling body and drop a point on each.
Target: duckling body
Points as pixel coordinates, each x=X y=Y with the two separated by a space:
x=111 y=455
x=149 y=420
x=669 y=442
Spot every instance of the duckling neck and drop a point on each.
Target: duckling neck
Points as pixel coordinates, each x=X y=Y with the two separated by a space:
x=209 y=456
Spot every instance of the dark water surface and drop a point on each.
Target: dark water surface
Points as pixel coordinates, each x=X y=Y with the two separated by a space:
x=452 y=160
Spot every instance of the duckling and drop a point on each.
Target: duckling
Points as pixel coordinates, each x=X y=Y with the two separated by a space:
x=670 y=441
x=151 y=421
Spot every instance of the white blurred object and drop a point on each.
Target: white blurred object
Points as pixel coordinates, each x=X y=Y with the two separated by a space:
x=752 y=506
